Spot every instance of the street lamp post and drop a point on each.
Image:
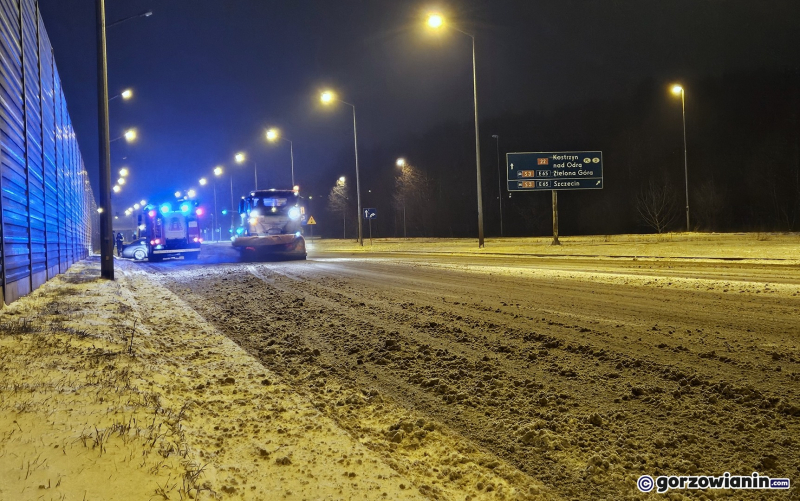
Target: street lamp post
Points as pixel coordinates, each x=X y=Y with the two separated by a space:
x=240 y=158
x=326 y=98
x=106 y=237
x=678 y=89
x=437 y=21
x=499 y=181
x=401 y=162
x=106 y=240
x=273 y=135
x=215 y=219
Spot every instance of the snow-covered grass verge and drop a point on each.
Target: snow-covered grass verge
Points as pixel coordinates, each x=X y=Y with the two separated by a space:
x=745 y=246
x=116 y=390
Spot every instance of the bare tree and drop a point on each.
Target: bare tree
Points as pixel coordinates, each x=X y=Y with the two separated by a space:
x=413 y=199
x=709 y=205
x=339 y=203
x=657 y=205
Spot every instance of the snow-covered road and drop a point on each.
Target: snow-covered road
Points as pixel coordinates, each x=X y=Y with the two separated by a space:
x=583 y=373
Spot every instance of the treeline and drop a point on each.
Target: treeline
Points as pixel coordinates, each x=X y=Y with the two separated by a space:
x=743 y=166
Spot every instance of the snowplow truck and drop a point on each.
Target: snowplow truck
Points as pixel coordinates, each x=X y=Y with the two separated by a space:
x=271 y=225
x=171 y=231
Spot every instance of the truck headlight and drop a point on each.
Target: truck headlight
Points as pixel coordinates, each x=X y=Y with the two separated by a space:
x=294 y=213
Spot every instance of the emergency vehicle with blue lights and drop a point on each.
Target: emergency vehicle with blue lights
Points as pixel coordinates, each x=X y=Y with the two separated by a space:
x=171 y=229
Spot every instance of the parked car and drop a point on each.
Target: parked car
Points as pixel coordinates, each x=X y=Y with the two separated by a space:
x=135 y=250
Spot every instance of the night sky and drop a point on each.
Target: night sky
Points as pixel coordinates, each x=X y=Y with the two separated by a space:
x=209 y=76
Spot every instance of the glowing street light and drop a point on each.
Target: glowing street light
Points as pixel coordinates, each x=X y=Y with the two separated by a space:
x=678 y=89
x=272 y=136
x=123 y=172
x=127 y=94
x=217 y=171
x=143 y=203
x=121 y=181
x=327 y=97
x=116 y=188
x=436 y=21
x=191 y=193
x=130 y=135
x=136 y=206
x=203 y=181
x=178 y=194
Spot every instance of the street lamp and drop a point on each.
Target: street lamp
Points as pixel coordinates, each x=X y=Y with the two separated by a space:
x=678 y=89
x=272 y=136
x=121 y=181
x=328 y=97
x=215 y=219
x=436 y=21
x=125 y=95
x=499 y=180
x=401 y=162
x=203 y=181
x=120 y=21
x=123 y=172
x=116 y=188
x=241 y=158
x=129 y=136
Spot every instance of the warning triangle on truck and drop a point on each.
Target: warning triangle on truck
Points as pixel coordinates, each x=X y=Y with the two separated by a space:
x=311 y=220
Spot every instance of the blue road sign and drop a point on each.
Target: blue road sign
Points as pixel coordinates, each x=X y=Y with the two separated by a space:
x=563 y=170
x=370 y=213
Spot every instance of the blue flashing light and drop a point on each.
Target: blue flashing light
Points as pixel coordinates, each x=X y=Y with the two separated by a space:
x=239 y=231
x=225 y=212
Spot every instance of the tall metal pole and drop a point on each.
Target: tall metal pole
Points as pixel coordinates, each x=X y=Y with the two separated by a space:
x=106 y=240
x=358 y=182
x=231 y=230
x=685 y=158
x=404 y=218
x=477 y=146
x=499 y=181
x=255 y=172
x=555 y=218
x=291 y=154
x=215 y=219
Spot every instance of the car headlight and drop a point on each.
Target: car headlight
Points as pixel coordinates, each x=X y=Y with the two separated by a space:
x=294 y=213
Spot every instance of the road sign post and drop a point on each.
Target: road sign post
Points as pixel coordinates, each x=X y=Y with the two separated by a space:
x=555 y=218
x=553 y=171
x=370 y=214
